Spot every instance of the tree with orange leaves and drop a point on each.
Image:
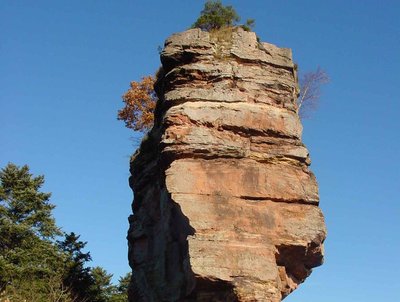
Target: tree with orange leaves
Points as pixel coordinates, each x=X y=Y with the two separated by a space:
x=140 y=102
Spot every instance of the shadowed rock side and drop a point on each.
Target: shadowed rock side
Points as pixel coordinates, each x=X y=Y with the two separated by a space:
x=225 y=206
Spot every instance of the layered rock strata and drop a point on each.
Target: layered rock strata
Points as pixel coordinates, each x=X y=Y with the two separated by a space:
x=225 y=206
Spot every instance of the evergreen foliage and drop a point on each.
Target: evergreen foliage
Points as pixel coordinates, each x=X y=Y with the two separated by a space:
x=34 y=266
x=121 y=290
x=26 y=232
x=77 y=277
x=23 y=206
x=102 y=289
x=249 y=25
x=215 y=16
x=140 y=99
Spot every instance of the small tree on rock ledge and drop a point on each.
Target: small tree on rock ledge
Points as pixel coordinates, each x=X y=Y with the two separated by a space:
x=310 y=91
x=140 y=101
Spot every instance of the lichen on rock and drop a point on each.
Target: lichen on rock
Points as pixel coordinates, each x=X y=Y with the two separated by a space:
x=225 y=205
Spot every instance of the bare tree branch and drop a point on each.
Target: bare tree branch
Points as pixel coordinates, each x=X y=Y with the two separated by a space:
x=310 y=91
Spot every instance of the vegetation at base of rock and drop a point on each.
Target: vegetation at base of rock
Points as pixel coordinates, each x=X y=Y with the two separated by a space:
x=77 y=277
x=26 y=232
x=140 y=101
x=34 y=265
x=310 y=91
x=215 y=16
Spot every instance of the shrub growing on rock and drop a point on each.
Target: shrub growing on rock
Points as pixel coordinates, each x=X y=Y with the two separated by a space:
x=215 y=16
x=140 y=101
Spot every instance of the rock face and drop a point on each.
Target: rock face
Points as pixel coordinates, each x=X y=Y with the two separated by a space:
x=225 y=206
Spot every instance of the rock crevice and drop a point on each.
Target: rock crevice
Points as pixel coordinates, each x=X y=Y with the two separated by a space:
x=225 y=206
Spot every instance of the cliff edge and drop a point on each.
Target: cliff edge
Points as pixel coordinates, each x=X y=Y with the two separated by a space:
x=225 y=206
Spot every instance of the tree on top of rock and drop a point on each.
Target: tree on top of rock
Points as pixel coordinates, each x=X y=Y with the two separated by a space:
x=140 y=100
x=215 y=16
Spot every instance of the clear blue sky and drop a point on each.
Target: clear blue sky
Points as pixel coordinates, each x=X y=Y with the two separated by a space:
x=65 y=64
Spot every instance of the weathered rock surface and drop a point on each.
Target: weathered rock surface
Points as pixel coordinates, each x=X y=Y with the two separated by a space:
x=225 y=207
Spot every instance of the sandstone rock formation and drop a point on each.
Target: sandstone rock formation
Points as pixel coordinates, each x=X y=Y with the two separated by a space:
x=225 y=207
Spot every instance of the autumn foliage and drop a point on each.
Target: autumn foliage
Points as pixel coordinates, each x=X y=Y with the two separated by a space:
x=140 y=101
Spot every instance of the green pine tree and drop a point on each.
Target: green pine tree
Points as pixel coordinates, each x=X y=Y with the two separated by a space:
x=121 y=290
x=215 y=15
x=30 y=263
x=34 y=266
x=77 y=276
x=102 y=289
